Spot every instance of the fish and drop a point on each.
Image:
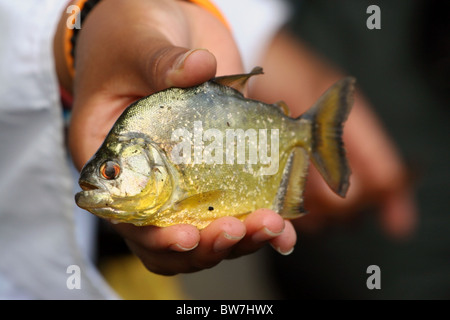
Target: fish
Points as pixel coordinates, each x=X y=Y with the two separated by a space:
x=193 y=155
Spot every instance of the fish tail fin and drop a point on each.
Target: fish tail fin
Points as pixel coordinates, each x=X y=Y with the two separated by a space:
x=327 y=117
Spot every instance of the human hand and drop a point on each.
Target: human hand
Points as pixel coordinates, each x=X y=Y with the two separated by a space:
x=130 y=49
x=183 y=248
x=379 y=178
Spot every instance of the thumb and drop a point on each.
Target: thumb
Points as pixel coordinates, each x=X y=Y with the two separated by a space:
x=171 y=66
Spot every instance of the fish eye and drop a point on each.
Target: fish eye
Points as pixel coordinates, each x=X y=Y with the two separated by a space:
x=110 y=170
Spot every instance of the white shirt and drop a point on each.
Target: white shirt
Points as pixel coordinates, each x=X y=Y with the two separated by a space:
x=254 y=23
x=37 y=221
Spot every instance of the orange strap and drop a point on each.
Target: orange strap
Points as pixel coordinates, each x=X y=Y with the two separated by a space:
x=68 y=44
x=206 y=4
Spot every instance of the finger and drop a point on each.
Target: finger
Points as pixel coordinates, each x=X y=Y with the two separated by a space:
x=286 y=241
x=216 y=241
x=222 y=234
x=193 y=67
x=262 y=226
x=179 y=238
x=164 y=65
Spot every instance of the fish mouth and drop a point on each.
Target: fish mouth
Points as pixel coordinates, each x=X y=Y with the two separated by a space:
x=118 y=216
x=108 y=213
x=99 y=201
x=92 y=196
x=86 y=186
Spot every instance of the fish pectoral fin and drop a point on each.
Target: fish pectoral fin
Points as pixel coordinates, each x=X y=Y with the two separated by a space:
x=238 y=81
x=200 y=209
x=200 y=202
x=289 y=200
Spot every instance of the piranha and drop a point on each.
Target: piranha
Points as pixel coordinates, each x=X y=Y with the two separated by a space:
x=192 y=155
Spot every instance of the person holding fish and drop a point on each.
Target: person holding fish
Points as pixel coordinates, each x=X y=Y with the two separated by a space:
x=128 y=50
x=157 y=59
x=168 y=63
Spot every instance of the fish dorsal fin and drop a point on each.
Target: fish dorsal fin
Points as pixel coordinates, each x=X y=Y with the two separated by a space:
x=238 y=81
x=283 y=107
x=289 y=200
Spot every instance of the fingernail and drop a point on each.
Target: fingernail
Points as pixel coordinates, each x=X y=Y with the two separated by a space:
x=178 y=247
x=223 y=241
x=180 y=62
x=265 y=234
x=284 y=253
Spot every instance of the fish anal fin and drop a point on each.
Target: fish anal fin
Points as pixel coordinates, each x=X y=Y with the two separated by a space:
x=289 y=200
x=238 y=81
x=283 y=107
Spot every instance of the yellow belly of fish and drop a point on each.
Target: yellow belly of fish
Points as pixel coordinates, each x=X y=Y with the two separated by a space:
x=200 y=210
x=224 y=191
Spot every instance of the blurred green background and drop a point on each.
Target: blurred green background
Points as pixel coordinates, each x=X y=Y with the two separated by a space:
x=403 y=69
